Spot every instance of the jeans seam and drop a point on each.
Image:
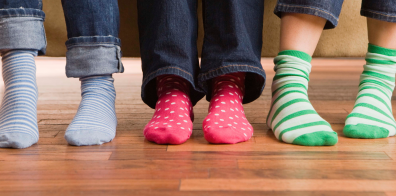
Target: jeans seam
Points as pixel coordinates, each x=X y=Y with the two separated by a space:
x=82 y=43
x=250 y=66
x=95 y=36
x=378 y=13
x=165 y=68
x=280 y=4
x=22 y=15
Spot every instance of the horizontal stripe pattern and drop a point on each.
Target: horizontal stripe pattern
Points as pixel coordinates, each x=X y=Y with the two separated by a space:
x=373 y=110
x=96 y=121
x=18 y=113
x=292 y=116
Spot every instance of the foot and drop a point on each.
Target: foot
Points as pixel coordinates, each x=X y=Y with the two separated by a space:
x=372 y=115
x=172 y=120
x=226 y=122
x=18 y=113
x=95 y=122
x=292 y=117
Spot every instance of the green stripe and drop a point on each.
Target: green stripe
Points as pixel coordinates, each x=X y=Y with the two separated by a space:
x=303 y=126
x=282 y=95
x=358 y=115
x=287 y=104
x=280 y=62
x=373 y=87
x=373 y=107
x=299 y=54
x=289 y=85
x=378 y=75
x=294 y=115
x=377 y=61
x=278 y=76
x=375 y=82
x=375 y=97
x=381 y=50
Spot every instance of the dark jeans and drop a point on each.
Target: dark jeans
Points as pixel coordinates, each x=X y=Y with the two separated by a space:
x=384 y=10
x=232 y=43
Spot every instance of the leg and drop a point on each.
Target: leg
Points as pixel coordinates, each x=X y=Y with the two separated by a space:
x=168 y=36
x=22 y=37
x=231 y=70
x=93 y=56
x=372 y=115
x=292 y=117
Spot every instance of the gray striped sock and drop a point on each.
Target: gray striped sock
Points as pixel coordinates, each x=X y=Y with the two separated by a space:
x=18 y=113
x=96 y=121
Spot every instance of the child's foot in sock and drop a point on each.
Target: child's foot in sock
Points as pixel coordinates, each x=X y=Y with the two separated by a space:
x=172 y=120
x=226 y=122
x=372 y=115
x=292 y=117
x=95 y=122
x=18 y=113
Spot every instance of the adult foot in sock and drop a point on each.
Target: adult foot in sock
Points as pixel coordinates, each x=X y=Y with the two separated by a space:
x=18 y=113
x=95 y=122
x=226 y=122
x=292 y=117
x=173 y=116
x=372 y=115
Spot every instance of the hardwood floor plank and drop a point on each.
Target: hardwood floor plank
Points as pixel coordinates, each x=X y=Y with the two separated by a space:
x=246 y=155
x=56 y=156
x=318 y=164
x=188 y=193
x=304 y=174
x=89 y=184
x=118 y=164
x=290 y=185
x=137 y=173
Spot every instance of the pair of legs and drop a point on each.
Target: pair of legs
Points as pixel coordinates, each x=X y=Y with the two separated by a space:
x=372 y=115
x=230 y=73
x=93 y=56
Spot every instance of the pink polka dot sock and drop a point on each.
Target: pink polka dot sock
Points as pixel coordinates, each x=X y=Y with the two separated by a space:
x=172 y=120
x=226 y=122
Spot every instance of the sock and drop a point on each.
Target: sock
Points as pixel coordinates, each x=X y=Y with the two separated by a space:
x=226 y=122
x=18 y=113
x=372 y=115
x=292 y=117
x=172 y=120
x=95 y=122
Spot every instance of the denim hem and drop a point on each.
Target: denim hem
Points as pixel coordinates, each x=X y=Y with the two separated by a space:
x=254 y=80
x=332 y=20
x=84 y=60
x=149 y=92
x=22 y=33
x=378 y=15
x=21 y=12
x=92 y=40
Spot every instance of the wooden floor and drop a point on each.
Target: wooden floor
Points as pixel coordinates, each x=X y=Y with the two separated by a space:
x=130 y=165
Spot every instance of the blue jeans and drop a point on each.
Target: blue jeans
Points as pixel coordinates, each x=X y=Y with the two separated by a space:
x=232 y=43
x=93 y=46
x=22 y=25
x=384 y=10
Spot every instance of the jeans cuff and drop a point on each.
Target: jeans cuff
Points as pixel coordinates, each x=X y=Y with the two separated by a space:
x=22 y=29
x=254 y=80
x=332 y=20
x=90 y=56
x=378 y=15
x=149 y=89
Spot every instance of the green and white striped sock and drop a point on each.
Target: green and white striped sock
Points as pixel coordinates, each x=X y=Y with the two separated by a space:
x=372 y=115
x=292 y=117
